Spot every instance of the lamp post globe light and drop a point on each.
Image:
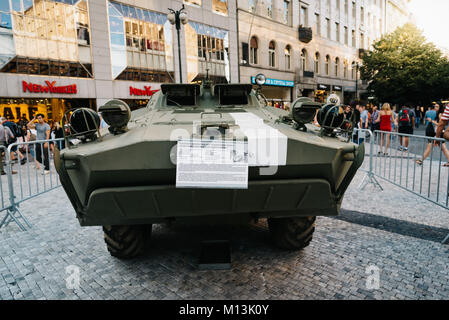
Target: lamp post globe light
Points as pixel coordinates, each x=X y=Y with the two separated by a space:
x=176 y=18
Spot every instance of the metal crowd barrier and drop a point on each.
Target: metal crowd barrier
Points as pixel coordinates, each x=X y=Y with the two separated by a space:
x=405 y=167
x=26 y=179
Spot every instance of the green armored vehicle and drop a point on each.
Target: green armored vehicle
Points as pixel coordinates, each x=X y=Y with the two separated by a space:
x=211 y=153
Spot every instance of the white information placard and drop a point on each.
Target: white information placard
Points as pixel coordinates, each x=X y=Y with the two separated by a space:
x=204 y=163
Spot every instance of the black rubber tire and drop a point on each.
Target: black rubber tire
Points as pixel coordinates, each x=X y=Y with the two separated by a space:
x=126 y=242
x=292 y=233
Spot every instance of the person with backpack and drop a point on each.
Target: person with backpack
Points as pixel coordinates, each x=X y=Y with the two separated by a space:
x=406 y=123
x=17 y=132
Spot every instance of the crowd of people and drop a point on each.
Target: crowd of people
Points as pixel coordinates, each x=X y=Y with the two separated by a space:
x=26 y=130
x=403 y=120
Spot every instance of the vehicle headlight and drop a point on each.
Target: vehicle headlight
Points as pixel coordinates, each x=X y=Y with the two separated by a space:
x=260 y=79
x=116 y=113
x=331 y=117
x=303 y=110
x=84 y=121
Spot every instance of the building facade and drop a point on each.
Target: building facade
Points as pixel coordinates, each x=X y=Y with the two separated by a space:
x=61 y=54
x=311 y=47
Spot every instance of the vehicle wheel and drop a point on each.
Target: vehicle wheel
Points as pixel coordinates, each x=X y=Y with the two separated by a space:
x=292 y=233
x=125 y=242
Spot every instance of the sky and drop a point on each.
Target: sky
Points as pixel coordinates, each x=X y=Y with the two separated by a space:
x=431 y=16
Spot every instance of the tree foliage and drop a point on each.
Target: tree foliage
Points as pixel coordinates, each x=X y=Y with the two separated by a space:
x=404 y=68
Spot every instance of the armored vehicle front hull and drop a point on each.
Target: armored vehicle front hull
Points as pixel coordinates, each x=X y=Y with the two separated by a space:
x=135 y=183
x=133 y=174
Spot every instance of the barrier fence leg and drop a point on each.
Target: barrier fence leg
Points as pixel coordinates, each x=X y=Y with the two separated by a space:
x=12 y=213
x=370 y=177
x=446 y=240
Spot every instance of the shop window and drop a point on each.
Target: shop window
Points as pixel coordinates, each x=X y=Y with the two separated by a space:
x=220 y=6
x=253 y=51
x=272 y=54
x=287 y=53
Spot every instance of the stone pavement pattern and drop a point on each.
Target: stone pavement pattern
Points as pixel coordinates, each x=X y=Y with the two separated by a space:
x=394 y=230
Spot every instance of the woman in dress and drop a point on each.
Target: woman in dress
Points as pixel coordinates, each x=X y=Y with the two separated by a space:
x=386 y=117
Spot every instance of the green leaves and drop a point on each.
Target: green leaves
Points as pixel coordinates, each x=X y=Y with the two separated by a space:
x=403 y=67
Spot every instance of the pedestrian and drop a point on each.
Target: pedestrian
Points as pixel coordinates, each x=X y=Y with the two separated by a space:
x=375 y=124
x=364 y=123
x=59 y=134
x=42 y=133
x=16 y=133
x=418 y=116
x=442 y=133
x=386 y=117
x=431 y=120
x=406 y=123
x=5 y=136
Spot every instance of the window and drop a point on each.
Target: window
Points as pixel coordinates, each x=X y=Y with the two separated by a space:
x=317 y=63
x=346 y=9
x=285 y=11
x=380 y=26
x=337 y=67
x=338 y=5
x=362 y=15
x=328 y=28
x=194 y=2
x=346 y=36
x=362 y=41
x=253 y=50
x=317 y=24
x=328 y=7
x=138 y=44
x=354 y=11
x=210 y=48
x=327 y=65
x=270 y=8
x=337 y=32
x=345 y=69
x=252 y=6
x=369 y=20
x=303 y=18
x=220 y=6
x=287 y=53
x=353 y=71
x=272 y=54
x=353 y=38
x=45 y=38
x=304 y=59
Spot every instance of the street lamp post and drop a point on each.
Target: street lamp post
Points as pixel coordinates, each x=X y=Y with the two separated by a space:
x=178 y=17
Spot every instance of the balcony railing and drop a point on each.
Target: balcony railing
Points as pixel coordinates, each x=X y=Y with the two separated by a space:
x=308 y=74
x=305 y=34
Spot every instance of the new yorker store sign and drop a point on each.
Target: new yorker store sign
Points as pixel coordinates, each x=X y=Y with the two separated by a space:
x=142 y=92
x=49 y=87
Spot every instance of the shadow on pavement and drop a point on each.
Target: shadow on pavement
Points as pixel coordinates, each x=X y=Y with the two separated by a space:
x=402 y=227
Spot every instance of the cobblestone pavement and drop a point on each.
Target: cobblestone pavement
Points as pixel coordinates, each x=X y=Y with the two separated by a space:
x=393 y=230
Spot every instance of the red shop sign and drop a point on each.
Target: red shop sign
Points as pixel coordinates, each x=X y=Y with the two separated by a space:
x=139 y=92
x=49 y=88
